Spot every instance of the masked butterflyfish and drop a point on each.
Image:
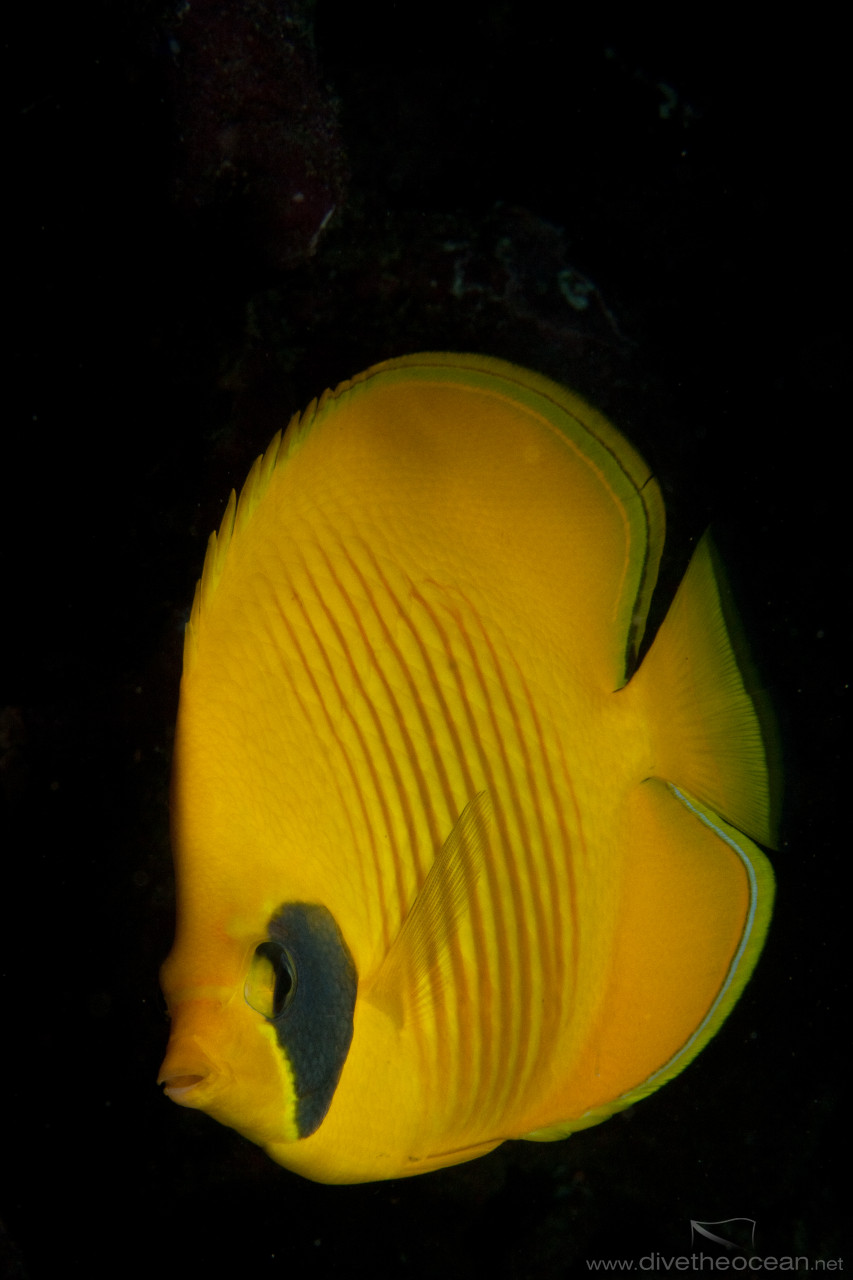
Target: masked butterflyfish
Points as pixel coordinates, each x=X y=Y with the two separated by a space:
x=451 y=866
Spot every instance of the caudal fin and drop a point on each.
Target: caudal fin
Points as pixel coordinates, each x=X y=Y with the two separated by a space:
x=713 y=733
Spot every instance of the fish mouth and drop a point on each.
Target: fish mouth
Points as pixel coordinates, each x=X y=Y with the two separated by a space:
x=189 y=1076
x=179 y=1086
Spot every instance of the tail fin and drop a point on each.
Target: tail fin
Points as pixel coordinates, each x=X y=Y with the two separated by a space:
x=714 y=734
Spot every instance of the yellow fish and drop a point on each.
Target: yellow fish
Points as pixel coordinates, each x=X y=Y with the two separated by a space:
x=451 y=869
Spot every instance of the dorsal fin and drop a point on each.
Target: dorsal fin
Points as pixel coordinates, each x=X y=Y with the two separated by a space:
x=408 y=972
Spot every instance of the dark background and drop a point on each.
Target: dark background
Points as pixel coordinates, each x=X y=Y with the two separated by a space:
x=654 y=216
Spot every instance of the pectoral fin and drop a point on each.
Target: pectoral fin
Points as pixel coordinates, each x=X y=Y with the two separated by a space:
x=414 y=962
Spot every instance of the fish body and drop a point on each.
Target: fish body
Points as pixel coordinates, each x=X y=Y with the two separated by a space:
x=450 y=868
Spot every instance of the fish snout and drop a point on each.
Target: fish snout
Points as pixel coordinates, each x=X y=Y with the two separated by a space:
x=188 y=1074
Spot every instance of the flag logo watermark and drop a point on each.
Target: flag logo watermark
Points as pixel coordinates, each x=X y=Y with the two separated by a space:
x=725 y=1236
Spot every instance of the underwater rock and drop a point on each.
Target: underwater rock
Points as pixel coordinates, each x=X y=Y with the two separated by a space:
x=260 y=158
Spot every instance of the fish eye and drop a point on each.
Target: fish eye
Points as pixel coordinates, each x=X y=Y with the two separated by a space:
x=271 y=983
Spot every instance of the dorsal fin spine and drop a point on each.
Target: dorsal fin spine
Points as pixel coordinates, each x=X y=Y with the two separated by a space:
x=238 y=514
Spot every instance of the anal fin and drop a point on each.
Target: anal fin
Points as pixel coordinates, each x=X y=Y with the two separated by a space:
x=696 y=900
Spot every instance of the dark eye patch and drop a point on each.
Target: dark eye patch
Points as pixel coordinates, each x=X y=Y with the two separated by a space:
x=312 y=1002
